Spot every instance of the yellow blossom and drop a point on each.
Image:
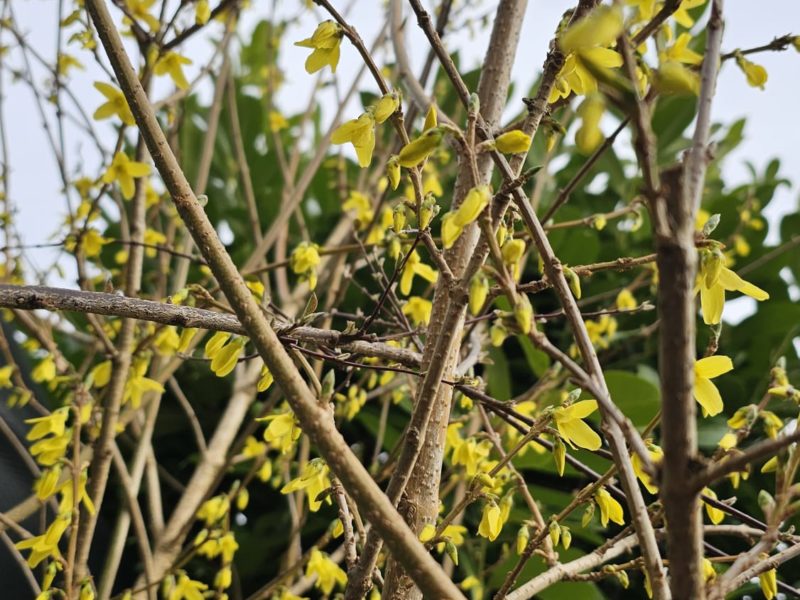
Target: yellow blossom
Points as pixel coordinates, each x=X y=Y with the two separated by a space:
x=214 y=509
x=265 y=379
x=601 y=27
x=187 y=589
x=223 y=578
x=166 y=341
x=54 y=423
x=5 y=376
x=325 y=42
x=393 y=171
x=47 y=484
x=314 y=479
x=589 y=136
x=610 y=509
x=418 y=309
x=415 y=266
x=138 y=385
x=728 y=441
x=328 y=574
x=673 y=78
x=513 y=142
x=708 y=570
x=478 y=293
x=139 y=10
x=215 y=343
x=225 y=360
x=361 y=133
x=572 y=428
x=756 y=74
x=705 y=392
x=45 y=371
x=304 y=260
x=277 y=121
x=454 y=222
x=656 y=456
x=124 y=171
x=46 y=545
x=67 y=490
x=282 y=431
x=171 y=64
x=115 y=104
x=100 y=375
x=768 y=581
x=682 y=16
x=431 y=118
x=715 y=514
x=715 y=279
x=386 y=106
x=625 y=300
x=472 y=454
x=681 y=52
x=491 y=521
x=202 y=12
x=416 y=151
x=360 y=205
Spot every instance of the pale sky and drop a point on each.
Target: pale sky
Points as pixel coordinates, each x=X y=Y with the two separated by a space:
x=772 y=129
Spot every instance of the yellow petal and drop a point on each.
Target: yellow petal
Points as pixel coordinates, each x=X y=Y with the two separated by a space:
x=712 y=301
x=600 y=28
x=708 y=396
x=731 y=281
x=580 y=434
x=713 y=366
x=579 y=410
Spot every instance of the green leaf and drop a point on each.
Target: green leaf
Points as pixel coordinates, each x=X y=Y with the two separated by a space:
x=635 y=396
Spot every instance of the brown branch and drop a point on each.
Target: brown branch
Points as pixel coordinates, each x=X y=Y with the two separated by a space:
x=54 y=299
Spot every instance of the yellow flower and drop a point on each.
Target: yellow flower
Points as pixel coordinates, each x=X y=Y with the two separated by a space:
x=656 y=456
x=115 y=104
x=673 y=78
x=282 y=431
x=314 y=479
x=768 y=580
x=415 y=266
x=523 y=314
x=5 y=376
x=472 y=454
x=277 y=121
x=46 y=545
x=512 y=251
x=576 y=77
x=625 y=300
x=386 y=106
x=327 y=572
x=138 y=385
x=705 y=392
x=393 y=171
x=167 y=341
x=304 y=260
x=187 y=589
x=601 y=27
x=491 y=522
x=361 y=133
x=454 y=222
x=589 y=136
x=48 y=451
x=67 y=490
x=478 y=293
x=418 y=309
x=223 y=578
x=431 y=118
x=325 y=42
x=572 y=429
x=715 y=514
x=265 y=380
x=756 y=74
x=361 y=206
x=124 y=170
x=416 y=151
x=708 y=570
x=47 y=484
x=682 y=16
x=681 y=52
x=138 y=9
x=202 y=12
x=54 y=423
x=171 y=64
x=728 y=441
x=513 y=142
x=715 y=279
x=215 y=343
x=45 y=371
x=214 y=509
x=610 y=509
x=100 y=375
x=225 y=360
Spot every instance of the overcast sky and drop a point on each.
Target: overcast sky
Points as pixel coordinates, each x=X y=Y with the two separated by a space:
x=772 y=129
